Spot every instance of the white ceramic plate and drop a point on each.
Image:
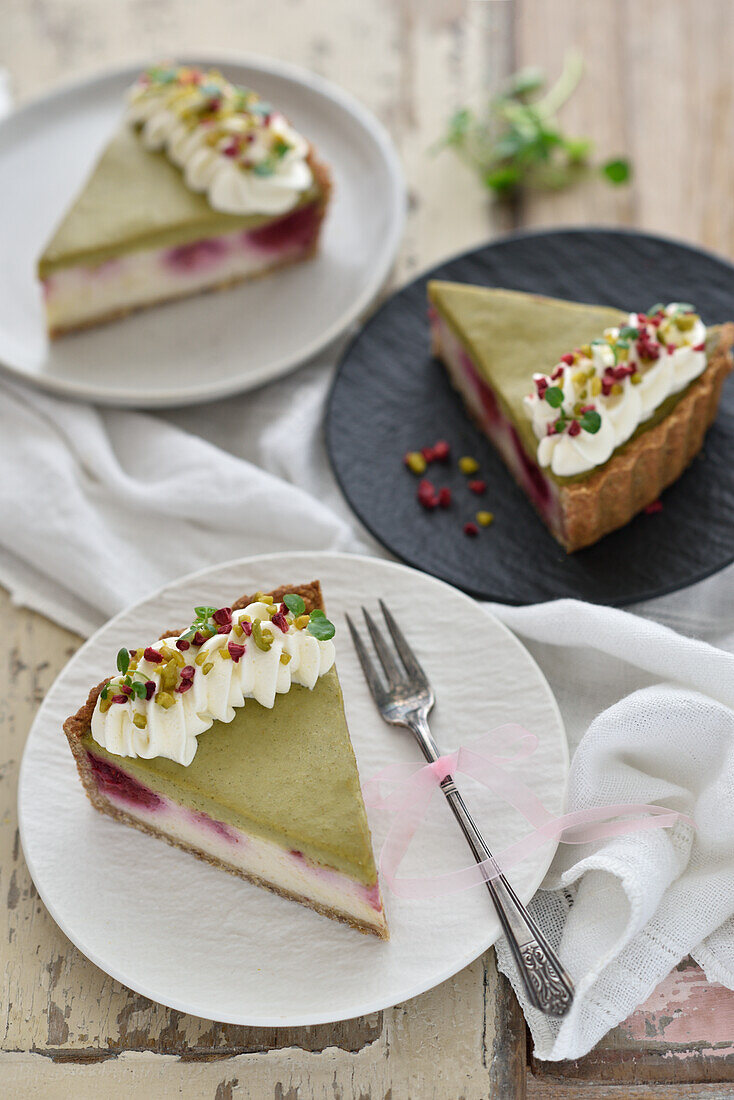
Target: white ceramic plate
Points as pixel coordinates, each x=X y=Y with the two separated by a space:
x=202 y=941
x=215 y=344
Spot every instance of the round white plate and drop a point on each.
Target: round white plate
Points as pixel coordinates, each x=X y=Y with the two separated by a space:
x=214 y=344
x=199 y=940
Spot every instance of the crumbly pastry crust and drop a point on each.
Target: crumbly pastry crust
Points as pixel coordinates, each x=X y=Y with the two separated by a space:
x=636 y=476
x=79 y=724
x=322 y=177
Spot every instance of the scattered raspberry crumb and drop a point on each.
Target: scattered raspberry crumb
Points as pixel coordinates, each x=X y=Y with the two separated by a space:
x=478 y=486
x=444 y=497
x=471 y=530
x=651 y=509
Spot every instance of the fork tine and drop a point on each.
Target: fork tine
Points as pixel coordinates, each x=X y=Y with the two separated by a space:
x=388 y=662
x=409 y=659
x=370 y=672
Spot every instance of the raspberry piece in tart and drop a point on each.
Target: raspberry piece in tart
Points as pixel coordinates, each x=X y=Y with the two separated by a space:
x=241 y=754
x=204 y=185
x=594 y=411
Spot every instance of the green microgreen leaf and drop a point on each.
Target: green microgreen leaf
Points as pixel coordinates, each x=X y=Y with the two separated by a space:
x=204 y=613
x=139 y=689
x=657 y=308
x=554 y=396
x=683 y=307
x=321 y=628
x=104 y=692
x=123 y=661
x=618 y=170
x=317 y=613
x=590 y=421
x=517 y=141
x=294 y=603
x=263 y=168
x=629 y=332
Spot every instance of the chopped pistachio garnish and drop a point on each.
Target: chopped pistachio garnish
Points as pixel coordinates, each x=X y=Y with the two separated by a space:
x=140 y=721
x=165 y=699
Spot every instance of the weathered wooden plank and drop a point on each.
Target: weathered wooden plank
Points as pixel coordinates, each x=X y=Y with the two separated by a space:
x=658 y=87
x=684 y=1032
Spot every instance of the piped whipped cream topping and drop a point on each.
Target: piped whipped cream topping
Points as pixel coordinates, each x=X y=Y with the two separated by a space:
x=596 y=396
x=228 y=142
x=174 y=690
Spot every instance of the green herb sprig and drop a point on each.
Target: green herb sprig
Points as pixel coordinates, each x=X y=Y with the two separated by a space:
x=518 y=142
x=318 y=624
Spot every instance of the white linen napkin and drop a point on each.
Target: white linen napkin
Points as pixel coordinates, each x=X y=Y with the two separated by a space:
x=100 y=507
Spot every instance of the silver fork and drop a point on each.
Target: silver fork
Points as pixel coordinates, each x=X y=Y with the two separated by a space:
x=407 y=701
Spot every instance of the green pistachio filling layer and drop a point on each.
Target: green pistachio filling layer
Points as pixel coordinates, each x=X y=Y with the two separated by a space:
x=511 y=335
x=134 y=200
x=287 y=774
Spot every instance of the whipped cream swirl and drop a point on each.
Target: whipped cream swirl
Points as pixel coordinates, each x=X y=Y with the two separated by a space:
x=597 y=396
x=222 y=673
x=245 y=156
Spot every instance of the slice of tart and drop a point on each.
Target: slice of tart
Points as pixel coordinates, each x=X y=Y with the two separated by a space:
x=229 y=740
x=204 y=185
x=594 y=411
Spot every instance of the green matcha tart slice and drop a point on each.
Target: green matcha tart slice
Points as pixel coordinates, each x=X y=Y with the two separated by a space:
x=594 y=411
x=203 y=186
x=235 y=747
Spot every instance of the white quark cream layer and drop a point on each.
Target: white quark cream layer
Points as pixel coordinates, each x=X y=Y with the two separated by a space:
x=220 y=683
x=245 y=159
x=586 y=379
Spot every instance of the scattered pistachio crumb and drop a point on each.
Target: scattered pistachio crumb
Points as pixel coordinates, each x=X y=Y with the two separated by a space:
x=285 y=658
x=140 y=721
x=206 y=669
x=225 y=654
x=165 y=699
x=617 y=388
x=595 y=387
x=635 y=378
x=485 y=518
x=468 y=465
x=415 y=462
x=200 y=658
x=302 y=621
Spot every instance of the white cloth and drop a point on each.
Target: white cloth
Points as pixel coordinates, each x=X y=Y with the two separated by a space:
x=101 y=507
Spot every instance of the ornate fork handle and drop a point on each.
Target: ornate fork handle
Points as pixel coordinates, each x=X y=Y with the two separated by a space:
x=547 y=984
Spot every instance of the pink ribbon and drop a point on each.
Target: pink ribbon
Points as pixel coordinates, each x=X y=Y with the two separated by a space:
x=483 y=760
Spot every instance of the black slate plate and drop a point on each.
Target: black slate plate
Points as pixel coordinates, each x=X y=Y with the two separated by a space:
x=390 y=396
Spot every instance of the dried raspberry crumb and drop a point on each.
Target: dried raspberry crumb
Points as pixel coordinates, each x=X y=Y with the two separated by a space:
x=280 y=621
x=199 y=638
x=184 y=686
x=119 y=699
x=187 y=672
x=183 y=644
x=427 y=453
x=152 y=655
x=149 y=689
x=247 y=627
x=574 y=427
x=670 y=348
x=441 y=451
x=236 y=651
x=427 y=494
x=651 y=509
x=471 y=530
x=444 y=497
x=477 y=486
x=223 y=615
x=700 y=347
x=126 y=689
x=567 y=359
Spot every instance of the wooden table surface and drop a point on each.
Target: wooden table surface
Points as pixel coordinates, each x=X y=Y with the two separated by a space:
x=659 y=87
